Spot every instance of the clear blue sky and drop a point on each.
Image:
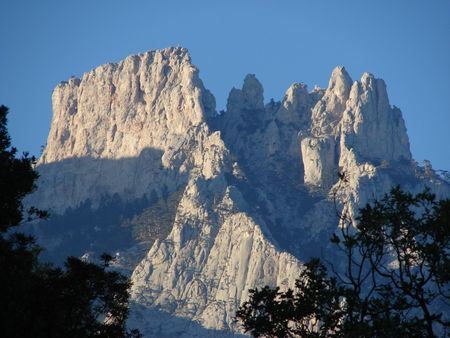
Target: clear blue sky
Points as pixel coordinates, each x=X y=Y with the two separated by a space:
x=407 y=43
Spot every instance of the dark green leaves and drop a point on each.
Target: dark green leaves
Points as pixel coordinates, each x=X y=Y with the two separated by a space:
x=36 y=299
x=393 y=280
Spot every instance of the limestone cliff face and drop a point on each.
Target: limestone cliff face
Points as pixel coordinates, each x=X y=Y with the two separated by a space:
x=116 y=110
x=370 y=126
x=352 y=124
x=213 y=255
x=125 y=123
x=257 y=182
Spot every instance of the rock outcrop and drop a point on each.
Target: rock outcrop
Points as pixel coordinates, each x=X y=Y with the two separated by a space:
x=125 y=122
x=257 y=183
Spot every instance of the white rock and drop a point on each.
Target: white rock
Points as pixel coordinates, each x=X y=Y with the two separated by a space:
x=250 y=176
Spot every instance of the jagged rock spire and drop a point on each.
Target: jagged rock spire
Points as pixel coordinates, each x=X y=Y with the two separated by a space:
x=253 y=91
x=250 y=97
x=328 y=111
x=371 y=128
x=295 y=107
x=340 y=82
x=145 y=123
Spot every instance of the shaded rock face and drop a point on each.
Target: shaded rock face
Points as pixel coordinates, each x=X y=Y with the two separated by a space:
x=255 y=187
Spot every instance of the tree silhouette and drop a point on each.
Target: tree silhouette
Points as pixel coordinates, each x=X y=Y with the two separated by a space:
x=393 y=278
x=37 y=300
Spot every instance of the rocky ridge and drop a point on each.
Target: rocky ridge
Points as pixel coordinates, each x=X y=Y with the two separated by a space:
x=257 y=182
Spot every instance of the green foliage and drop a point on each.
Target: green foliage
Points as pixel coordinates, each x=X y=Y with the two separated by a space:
x=403 y=244
x=85 y=228
x=81 y=300
x=37 y=300
x=268 y=310
x=155 y=221
x=312 y=311
x=17 y=179
x=393 y=280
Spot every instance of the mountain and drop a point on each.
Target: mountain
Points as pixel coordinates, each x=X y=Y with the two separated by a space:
x=200 y=206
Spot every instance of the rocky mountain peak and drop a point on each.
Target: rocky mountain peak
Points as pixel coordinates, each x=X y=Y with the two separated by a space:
x=352 y=124
x=370 y=126
x=253 y=91
x=250 y=97
x=328 y=111
x=296 y=97
x=340 y=82
x=140 y=106
x=295 y=106
x=246 y=193
x=367 y=80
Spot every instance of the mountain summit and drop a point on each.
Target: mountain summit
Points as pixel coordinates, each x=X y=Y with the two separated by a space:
x=198 y=206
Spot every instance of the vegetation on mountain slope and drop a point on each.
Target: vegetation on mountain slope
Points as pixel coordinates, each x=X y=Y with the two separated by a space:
x=392 y=279
x=37 y=300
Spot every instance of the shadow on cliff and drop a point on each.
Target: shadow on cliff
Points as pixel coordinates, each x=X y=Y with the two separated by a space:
x=116 y=205
x=272 y=182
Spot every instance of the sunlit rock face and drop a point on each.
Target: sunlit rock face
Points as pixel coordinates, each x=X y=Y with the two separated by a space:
x=126 y=123
x=255 y=186
x=116 y=110
x=352 y=123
